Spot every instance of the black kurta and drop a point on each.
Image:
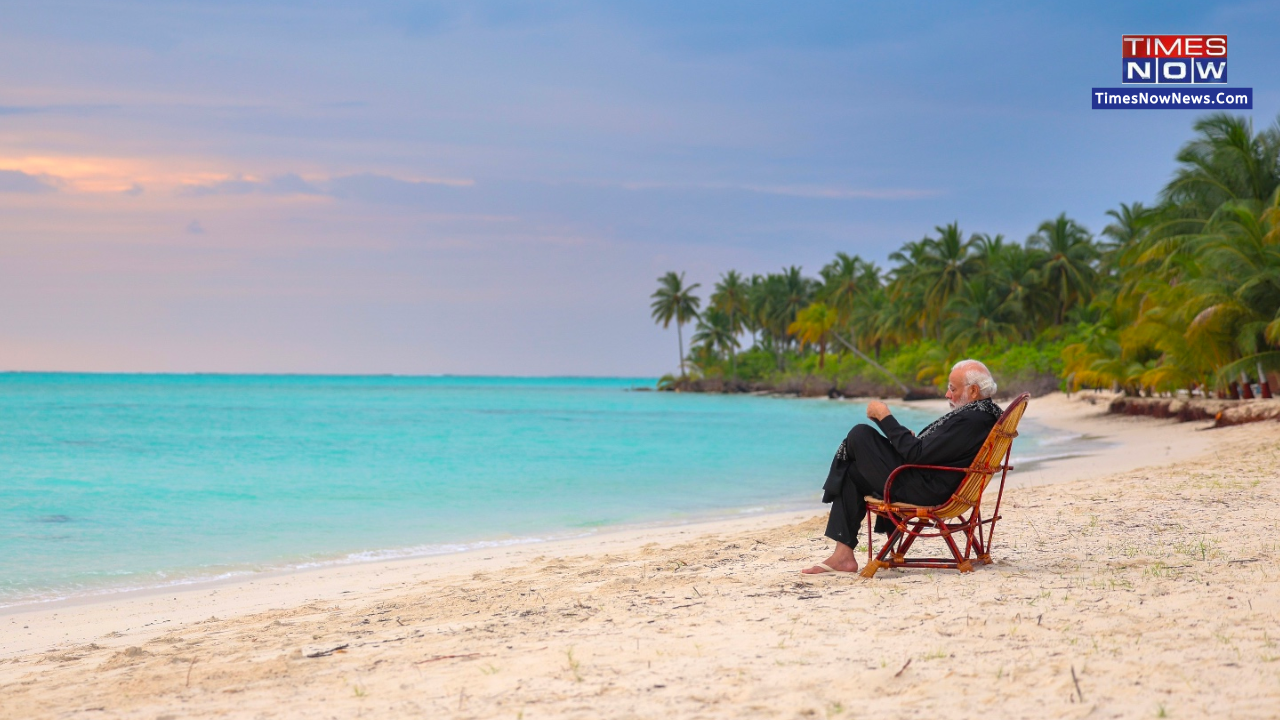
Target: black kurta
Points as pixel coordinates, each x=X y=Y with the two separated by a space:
x=866 y=458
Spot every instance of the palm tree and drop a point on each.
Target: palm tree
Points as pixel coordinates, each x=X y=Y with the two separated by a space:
x=756 y=302
x=813 y=325
x=761 y=300
x=674 y=301
x=778 y=297
x=1206 y=304
x=1237 y=297
x=947 y=266
x=1226 y=162
x=845 y=281
x=842 y=283
x=1068 y=270
x=715 y=332
x=1130 y=226
x=906 y=292
x=851 y=286
x=870 y=299
x=867 y=320
x=979 y=315
x=796 y=292
x=1156 y=348
x=732 y=297
x=1015 y=271
x=1082 y=359
x=987 y=246
x=931 y=270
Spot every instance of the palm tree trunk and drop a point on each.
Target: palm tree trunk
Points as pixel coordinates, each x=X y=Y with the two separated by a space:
x=680 y=339
x=733 y=355
x=905 y=390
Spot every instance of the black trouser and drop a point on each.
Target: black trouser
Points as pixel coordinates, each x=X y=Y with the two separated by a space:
x=848 y=510
x=871 y=460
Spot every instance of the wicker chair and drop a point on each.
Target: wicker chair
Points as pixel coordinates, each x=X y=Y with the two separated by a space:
x=962 y=513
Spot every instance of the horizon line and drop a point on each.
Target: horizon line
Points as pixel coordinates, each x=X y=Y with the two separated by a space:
x=321 y=374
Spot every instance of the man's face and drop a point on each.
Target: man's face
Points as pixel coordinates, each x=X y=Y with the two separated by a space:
x=958 y=393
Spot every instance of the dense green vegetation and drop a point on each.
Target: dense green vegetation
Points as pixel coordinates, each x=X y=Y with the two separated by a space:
x=1183 y=293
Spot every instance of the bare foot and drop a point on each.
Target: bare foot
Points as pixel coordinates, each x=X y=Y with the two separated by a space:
x=842 y=561
x=819 y=570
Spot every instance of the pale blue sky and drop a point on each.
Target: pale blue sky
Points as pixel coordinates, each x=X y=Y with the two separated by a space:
x=493 y=188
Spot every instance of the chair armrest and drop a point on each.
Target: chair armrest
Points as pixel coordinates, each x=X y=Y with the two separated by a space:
x=893 y=475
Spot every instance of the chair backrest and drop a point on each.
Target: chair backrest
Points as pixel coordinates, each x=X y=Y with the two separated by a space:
x=988 y=461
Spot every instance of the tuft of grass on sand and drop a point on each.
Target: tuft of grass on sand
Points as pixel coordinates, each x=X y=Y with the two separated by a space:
x=575 y=666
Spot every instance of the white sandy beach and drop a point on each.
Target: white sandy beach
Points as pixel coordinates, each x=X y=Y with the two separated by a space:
x=1139 y=581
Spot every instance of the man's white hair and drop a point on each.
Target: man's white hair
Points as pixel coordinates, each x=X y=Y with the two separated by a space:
x=975 y=373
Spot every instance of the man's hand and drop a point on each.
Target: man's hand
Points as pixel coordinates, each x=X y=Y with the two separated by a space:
x=877 y=410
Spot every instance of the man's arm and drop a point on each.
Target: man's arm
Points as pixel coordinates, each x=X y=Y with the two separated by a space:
x=878 y=411
x=947 y=442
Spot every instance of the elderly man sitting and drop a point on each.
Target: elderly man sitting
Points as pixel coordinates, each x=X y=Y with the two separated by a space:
x=865 y=459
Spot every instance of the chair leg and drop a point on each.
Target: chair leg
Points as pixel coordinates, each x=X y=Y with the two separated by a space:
x=976 y=533
x=981 y=546
x=894 y=550
x=874 y=564
x=981 y=551
x=973 y=545
x=877 y=562
x=909 y=538
x=962 y=563
x=894 y=538
x=871 y=539
x=971 y=541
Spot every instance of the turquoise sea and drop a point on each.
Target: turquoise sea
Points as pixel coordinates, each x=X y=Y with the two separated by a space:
x=115 y=482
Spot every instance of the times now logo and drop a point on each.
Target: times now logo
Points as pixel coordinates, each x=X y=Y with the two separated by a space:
x=1174 y=59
